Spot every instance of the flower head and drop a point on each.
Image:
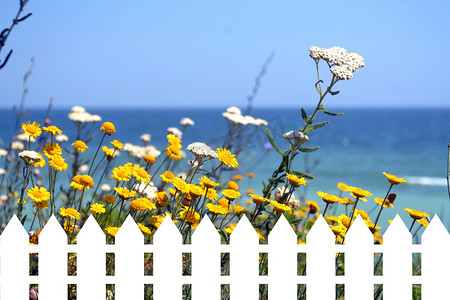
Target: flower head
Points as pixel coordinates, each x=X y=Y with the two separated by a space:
x=112 y=230
x=52 y=150
x=117 y=145
x=216 y=209
x=296 y=136
x=52 y=129
x=359 y=193
x=295 y=181
x=233 y=185
x=416 y=214
x=328 y=198
x=58 y=163
x=41 y=163
x=167 y=176
x=342 y=186
x=38 y=194
x=187 y=122
x=394 y=179
x=207 y=183
x=32 y=129
x=69 y=212
x=124 y=193
x=30 y=157
x=231 y=194
x=380 y=201
x=121 y=173
x=313 y=206
x=201 y=150
x=141 y=174
x=150 y=159
x=79 y=146
x=279 y=207
x=108 y=128
x=173 y=152
x=110 y=199
x=189 y=216
x=227 y=158
x=97 y=208
x=258 y=199
x=86 y=181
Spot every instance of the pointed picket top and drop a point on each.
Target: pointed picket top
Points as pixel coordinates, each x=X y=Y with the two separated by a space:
x=396 y=229
x=282 y=231
x=52 y=230
x=167 y=228
x=435 y=230
x=91 y=229
x=206 y=230
x=358 y=232
x=129 y=231
x=320 y=231
x=14 y=229
x=243 y=231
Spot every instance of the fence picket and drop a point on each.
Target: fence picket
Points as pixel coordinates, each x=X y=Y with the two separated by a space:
x=397 y=261
x=320 y=260
x=91 y=261
x=167 y=262
x=14 y=261
x=53 y=261
x=435 y=260
x=206 y=261
x=244 y=261
x=129 y=264
x=282 y=261
x=359 y=261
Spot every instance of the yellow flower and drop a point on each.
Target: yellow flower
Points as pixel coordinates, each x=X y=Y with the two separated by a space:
x=167 y=176
x=69 y=212
x=112 y=230
x=117 y=145
x=211 y=194
x=52 y=129
x=40 y=163
x=141 y=175
x=280 y=208
x=380 y=201
x=251 y=175
x=258 y=199
x=58 y=163
x=415 y=214
x=173 y=152
x=238 y=209
x=342 y=186
x=344 y=221
x=144 y=229
x=32 y=129
x=231 y=194
x=38 y=194
x=161 y=199
x=173 y=140
x=233 y=185
x=359 y=193
x=75 y=183
x=189 y=216
x=40 y=205
x=195 y=191
x=124 y=193
x=108 y=151
x=79 y=146
x=331 y=219
x=295 y=181
x=207 y=183
x=230 y=229
x=338 y=230
x=237 y=177
x=121 y=174
x=180 y=185
x=156 y=220
x=328 y=198
x=150 y=159
x=86 y=181
x=394 y=179
x=346 y=201
x=313 y=206
x=423 y=222
x=216 y=209
x=110 y=199
x=52 y=150
x=227 y=158
x=97 y=208
x=138 y=205
x=362 y=213
x=224 y=202
x=108 y=128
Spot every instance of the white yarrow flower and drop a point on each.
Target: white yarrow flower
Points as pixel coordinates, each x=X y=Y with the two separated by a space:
x=29 y=157
x=187 y=122
x=146 y=138
x=234 y=110
x=17 y=145
x=175 y=131
x=106 y=187
x=297 y=136
x=61 y=138
x=201 y=150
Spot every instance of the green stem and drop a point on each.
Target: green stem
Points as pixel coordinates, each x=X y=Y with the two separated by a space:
x=96 y=152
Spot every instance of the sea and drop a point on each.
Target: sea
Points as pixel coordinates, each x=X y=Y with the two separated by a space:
x=355 y=148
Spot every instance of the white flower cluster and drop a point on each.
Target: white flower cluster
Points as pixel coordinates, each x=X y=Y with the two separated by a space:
x=234 y=115
x=79 y=115
x=3 y=152
x=140 y=152
x=187 y=122
x=201 y=150
x=148 y=190
x=175 y=131
x=61 y=138
x=24 y=137
x=343 y=64
x=106 y=187
x=29 y=157
x=2 y=171
x=297 y=136
x=17 y=145
x=146 y=138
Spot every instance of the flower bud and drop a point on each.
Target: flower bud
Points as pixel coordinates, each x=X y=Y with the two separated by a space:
x=391 y=197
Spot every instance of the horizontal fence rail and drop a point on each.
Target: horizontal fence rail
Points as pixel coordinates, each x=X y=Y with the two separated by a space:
x=244 y=251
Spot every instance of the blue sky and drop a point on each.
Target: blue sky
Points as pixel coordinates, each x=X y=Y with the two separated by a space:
x=207 y=53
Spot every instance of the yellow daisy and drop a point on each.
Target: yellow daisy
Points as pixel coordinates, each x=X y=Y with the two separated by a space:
x=52 y=129
x=394 y=179
x=167 y=176
x=207 y=183
x=108 y=128
x=416 y=214
x=112 y=230
x=150 y=159
x=280 y=208
x=69 y=212
x=40 y=163
x=97 y=208
x=227 y=158
x=52 y=150
x=328 y=198
x=124 y=193
x=121 y=173
x=38 y=194
x=233 y=185
x=231 y=194
x=173 y=152
x=58 y=163
x=79 y=146
x=117 y=145
x=216 y=209
x=258 y=199
x=295 y=181
x=33 y=129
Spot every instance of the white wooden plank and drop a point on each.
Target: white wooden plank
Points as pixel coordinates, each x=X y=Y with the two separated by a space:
x=206 y=261
x=167 y=262
x=14 y=257
x=244 y=261
x=282 y=261
x=435 y=260
x=129 y=261
x=359 y=261
x=53 y=261
x=397 y=261
x=320 y=260
x=91 y=261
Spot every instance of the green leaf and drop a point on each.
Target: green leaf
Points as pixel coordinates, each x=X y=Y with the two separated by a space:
x=333 y=114
x=315 y=126
x=334 y=93
x=272 y=141
x=302 y=174
x=275 y=180
x=308 y=149
x=304 y=115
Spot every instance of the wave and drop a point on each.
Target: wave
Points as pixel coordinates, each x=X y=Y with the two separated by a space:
x=439 y=181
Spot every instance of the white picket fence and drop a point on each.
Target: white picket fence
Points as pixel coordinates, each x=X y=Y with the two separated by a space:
x=244 y=249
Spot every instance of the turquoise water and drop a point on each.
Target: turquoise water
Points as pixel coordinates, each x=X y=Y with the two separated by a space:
x=355 y=148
